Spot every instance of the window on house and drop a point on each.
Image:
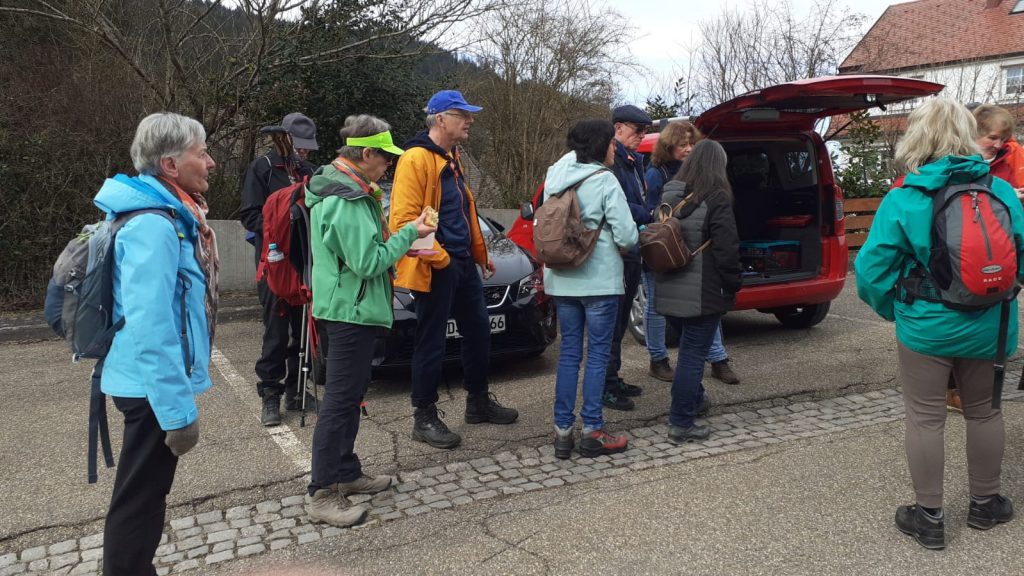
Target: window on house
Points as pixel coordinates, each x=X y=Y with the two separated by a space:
x=1015 y=79
x=1018 y=8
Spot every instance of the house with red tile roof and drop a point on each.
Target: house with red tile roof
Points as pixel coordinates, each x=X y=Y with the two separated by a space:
x=974 y=47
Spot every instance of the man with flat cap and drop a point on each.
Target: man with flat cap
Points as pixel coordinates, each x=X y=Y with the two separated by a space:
x=445 y=279
x=278 y=365
x=631 y=123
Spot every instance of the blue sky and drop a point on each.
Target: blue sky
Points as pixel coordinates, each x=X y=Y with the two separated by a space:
x=664 y=29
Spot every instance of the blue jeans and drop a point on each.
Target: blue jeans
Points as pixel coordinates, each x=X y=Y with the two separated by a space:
x=696 y=335
x=597 y=314
x=654 y=323
x=654 y=329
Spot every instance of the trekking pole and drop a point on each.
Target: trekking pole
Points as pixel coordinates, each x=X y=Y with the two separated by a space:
x=304 y=364
x=283 y=144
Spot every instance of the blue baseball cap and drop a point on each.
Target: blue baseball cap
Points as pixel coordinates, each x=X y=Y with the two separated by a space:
x=447 y=100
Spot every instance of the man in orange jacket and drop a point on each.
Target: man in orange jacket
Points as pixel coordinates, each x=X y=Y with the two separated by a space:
x=430 y=174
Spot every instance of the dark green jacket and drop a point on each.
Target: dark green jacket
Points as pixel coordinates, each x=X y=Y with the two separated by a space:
x=351 y=260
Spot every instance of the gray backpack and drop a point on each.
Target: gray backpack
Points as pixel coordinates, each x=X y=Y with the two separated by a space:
x=80 y=296
x=559 y=236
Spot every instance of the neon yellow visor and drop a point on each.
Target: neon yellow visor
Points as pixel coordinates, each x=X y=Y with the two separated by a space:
x=381 y=141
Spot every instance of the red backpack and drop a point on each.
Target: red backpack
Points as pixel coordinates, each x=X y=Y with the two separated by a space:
x=286 y=227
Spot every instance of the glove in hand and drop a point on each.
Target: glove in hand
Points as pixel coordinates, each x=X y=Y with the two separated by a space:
x=182 y=440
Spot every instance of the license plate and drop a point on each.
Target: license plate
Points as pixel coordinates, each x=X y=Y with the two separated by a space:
x=497 y=322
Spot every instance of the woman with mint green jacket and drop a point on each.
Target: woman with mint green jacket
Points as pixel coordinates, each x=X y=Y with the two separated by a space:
x=934 y=341
x=353 y=255
x=587 y=296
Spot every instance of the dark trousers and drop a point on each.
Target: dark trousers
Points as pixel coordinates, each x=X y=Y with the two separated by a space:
x=455 y=290
x=348 y=374
x=695 y=337
x=278 y=366
x=631 y=273
x=138 y=505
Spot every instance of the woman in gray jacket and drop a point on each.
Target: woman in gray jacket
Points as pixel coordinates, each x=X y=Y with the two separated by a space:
x=693 y=299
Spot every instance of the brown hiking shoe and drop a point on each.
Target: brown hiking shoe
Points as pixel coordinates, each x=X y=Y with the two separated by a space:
x=662 y=370
x=329 y=506
x=953 y=400
x=721 y=371
x=365 y=485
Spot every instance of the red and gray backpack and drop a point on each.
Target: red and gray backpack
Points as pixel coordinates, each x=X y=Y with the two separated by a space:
x=286 y=225
x=973 y=262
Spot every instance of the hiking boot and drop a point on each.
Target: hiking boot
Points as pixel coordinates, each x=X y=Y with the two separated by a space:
x=329 y=506
x=615 y=401
x=695 y=433
x=662 y=370
x=365 y=485
x=600 y=442
x=485 y=408
x=628 y=389
x=928 y=530
x=429 y=428
x=721 y=371
x=953 y=403
x=294 y=403
x=563 y=443
x=988 y=511
x=271 y=414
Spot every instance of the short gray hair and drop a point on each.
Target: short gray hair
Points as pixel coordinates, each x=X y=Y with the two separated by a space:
x=432 y=120
x=359 y=126
x=162 y=135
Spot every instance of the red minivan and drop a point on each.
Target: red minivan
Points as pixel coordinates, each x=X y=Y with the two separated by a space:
x=789 y=210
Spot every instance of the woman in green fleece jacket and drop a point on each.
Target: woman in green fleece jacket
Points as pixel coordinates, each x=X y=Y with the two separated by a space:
x=934 y=341
x=353 y=254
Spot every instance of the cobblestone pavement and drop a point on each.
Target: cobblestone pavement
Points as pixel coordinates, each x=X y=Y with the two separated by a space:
x=193 y=542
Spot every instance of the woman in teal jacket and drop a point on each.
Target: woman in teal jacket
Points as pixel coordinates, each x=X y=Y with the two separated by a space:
x=935 y=341
x=353 y=256
x=587 y=296
x=156 y=366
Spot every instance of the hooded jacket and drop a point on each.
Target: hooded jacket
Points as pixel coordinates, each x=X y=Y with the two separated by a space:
x=1009 y=164
x=709 y=284
x=418 y=183
x=900 y=237
x=147 y=358
x=601 y=199
x=351 y=259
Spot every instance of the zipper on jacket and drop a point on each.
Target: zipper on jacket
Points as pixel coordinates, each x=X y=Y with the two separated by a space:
x=362 y=292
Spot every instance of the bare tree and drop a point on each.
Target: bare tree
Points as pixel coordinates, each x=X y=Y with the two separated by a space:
x=544 y=66
x=205 y=58
x=770 y=44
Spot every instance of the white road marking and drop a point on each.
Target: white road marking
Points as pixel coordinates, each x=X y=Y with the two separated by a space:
x=283 y=434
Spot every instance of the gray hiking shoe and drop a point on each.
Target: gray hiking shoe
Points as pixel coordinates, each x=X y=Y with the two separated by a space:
x=329 y=506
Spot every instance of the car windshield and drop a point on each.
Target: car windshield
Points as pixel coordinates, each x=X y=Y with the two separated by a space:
x=485 y=228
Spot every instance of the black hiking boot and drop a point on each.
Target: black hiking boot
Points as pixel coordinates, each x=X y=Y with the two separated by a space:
x=564 y=443
x=986 y=512
x=928 y=530
x=679 y=435
x=429 y=428
x=485 y=408
x=271 y=414
x=612 y=399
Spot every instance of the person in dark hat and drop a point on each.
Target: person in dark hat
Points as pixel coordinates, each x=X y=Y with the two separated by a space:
x=445 y=279
x=631 y=123
x=278 y=365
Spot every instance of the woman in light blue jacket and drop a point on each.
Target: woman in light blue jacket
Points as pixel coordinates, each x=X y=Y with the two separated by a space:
x=165 y=289
x=587 y=296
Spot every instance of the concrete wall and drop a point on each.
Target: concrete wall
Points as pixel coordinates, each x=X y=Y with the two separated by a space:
x=237 y=257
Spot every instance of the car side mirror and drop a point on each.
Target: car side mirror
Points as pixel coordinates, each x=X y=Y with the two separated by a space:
x=526 y=211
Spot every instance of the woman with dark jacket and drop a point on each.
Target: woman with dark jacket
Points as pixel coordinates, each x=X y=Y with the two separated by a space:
x=693 y=299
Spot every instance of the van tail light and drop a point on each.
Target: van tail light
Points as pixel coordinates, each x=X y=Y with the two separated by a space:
x=840 y=214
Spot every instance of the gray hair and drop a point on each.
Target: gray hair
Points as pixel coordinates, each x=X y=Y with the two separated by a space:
x=162 y=135
x=939 y=127
x=432 y=120
x=359 y=127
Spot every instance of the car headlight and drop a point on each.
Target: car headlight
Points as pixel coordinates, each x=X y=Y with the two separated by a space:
x=532 y=284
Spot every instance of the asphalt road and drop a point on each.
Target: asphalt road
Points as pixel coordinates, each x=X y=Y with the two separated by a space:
x=239 y=462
